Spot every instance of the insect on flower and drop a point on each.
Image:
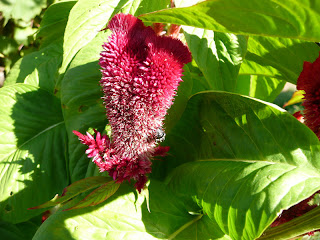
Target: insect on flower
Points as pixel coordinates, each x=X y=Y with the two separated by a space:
x=160 y=135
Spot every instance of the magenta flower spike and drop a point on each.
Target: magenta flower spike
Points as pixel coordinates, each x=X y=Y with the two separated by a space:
x=140 y=76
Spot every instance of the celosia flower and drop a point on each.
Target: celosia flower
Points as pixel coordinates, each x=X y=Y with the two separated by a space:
x=309 y=81
x=140 y=75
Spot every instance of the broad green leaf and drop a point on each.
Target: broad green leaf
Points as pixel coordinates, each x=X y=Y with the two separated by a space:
x=125 y=216
x=98 y=195
x=270 y=62
x=86 y=19
x=248 y=161
x=290 y=19
x=259 y=86
x=38 y=68
x=243 y=197
x=279 y=58
x=32 y=150
x=218 y=56
x=73 y=190
x=213 y=123
x=54 y=21
x=25 y=10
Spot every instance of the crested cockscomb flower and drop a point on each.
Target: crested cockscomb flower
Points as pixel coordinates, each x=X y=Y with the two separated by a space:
x=309 y=82
x=140 y=75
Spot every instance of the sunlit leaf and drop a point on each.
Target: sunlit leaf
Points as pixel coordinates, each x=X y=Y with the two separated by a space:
x=31 y=123
x=73 y=190
x=249 y=161
x=290 y=19
x=98 y=195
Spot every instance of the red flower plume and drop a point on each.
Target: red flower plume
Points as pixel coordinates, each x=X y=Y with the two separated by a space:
x=140 y=75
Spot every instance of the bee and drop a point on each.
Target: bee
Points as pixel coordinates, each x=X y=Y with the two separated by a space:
x=160 y=135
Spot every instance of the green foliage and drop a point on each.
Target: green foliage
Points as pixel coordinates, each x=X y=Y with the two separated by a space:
x=24 y=10
x=242 y=185
x=31 y=123
x=290 y=19
x=235 y=161
x=74 y=190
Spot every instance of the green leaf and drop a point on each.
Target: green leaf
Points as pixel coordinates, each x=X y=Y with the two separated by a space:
x=125 y=216
x=290 y=19
x=73 y=190
x=259 y=86
x=218 y=56
x=31 y=123
x=38 y=68
x=97 y=196
x=25 y=10
x=252 y=161
x=279 y=58
x=243 y=197
x=270 y=62
x=86 y=19
x=54 y=21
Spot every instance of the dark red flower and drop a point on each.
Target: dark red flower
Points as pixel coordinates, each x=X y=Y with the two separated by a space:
x=309 y=81
x=140 y=75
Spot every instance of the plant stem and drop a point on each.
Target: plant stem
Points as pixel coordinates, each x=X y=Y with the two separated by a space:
x=173 y=235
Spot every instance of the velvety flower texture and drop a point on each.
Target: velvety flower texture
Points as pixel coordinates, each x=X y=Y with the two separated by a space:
x=140 y=75
x=309 y=81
